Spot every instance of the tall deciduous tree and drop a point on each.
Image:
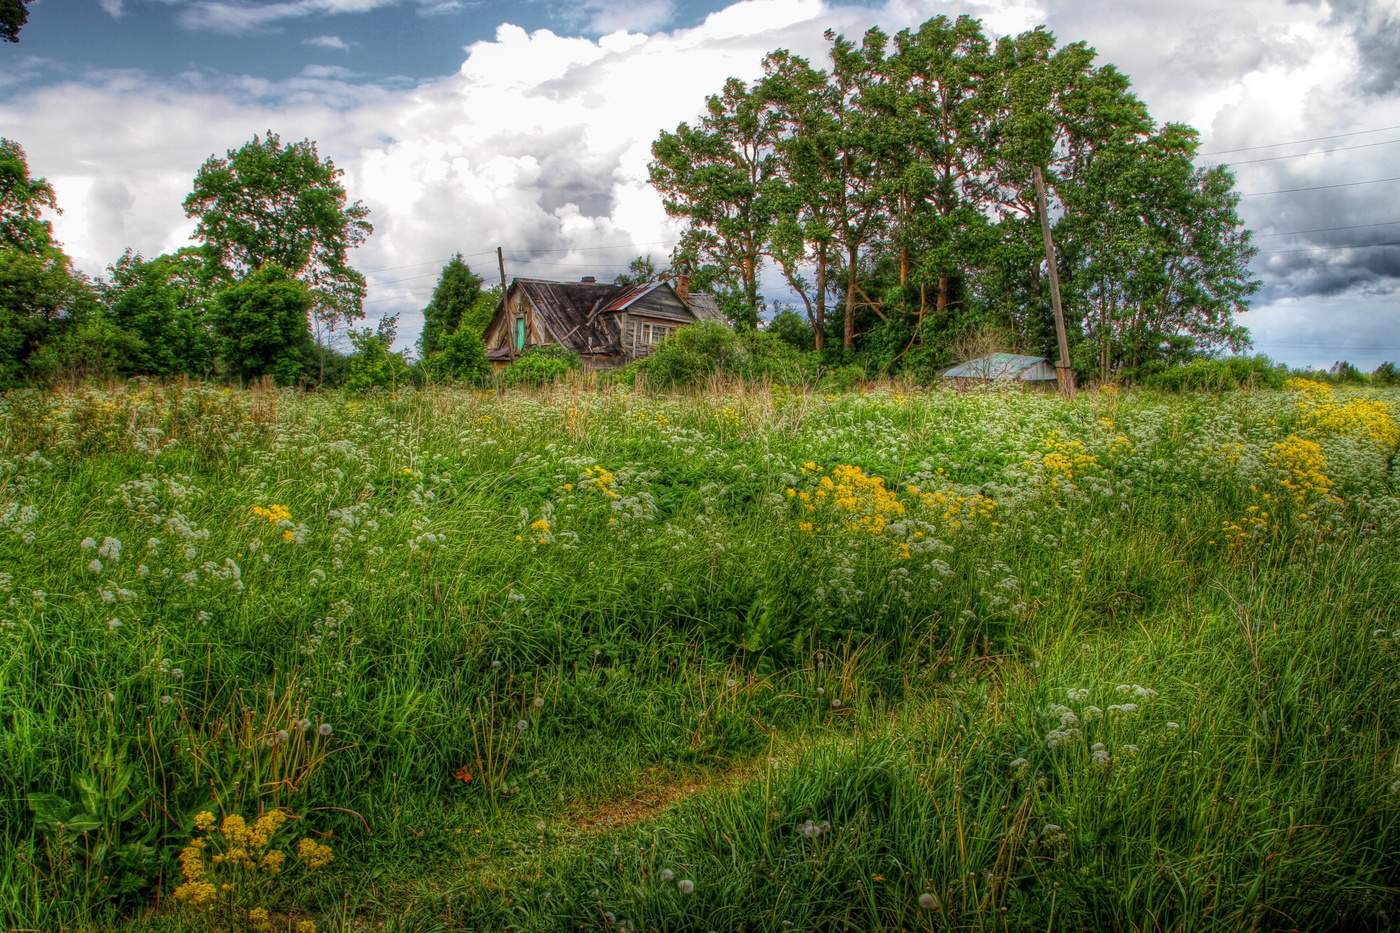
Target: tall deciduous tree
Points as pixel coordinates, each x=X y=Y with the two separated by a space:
x=40 y=293
x=902 y=175
x=456 y=294
x=715 y=176
x=23 y=199
x=270 y=204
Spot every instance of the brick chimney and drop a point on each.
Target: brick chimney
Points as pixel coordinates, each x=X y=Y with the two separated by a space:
x=683 y=286
x=589 y=280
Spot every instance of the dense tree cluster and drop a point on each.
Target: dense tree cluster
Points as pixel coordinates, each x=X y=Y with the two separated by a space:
x=893 y=192
x=273 y=234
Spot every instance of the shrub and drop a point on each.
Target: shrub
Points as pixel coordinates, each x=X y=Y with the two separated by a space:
x=793 y=329
x=1218 y=375
x=693 y=354
x=539 y=366
x=1386 y=374
x=461 y=358
x=374 y=365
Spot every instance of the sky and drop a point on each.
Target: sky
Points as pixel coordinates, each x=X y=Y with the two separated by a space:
x=467 y=124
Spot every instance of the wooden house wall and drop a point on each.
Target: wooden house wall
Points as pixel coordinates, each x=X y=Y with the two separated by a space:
x=502 y=331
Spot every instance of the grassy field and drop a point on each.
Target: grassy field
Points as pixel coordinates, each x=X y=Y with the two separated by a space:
x=762 y=661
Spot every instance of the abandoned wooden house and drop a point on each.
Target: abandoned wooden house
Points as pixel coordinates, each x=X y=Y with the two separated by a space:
x=606 y=325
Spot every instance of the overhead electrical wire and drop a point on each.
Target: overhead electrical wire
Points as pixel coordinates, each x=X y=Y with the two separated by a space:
x=1299 y=155
x=1384 y=223
x=1314 y=249
x=1349 y=184
x=1296 y=142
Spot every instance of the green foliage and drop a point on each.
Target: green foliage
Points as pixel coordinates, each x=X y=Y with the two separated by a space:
x=13 y=15
x=261 y=326
x=1386 y=374
x=93 y=348
x=792 y=329
x=639 y=271
x=693 y=355
x=23 y=199
x=374 y=364
x=1220 y=375
x=455 y=299
x=461 y=358
x=161 y=303
x=40 y=297
x=1344 y=372
x=896 y=183
x=269 y=204
x=538 y=366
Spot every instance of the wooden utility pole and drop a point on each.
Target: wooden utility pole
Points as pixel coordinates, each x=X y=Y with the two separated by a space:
x=501 y=261
x=1063 y=372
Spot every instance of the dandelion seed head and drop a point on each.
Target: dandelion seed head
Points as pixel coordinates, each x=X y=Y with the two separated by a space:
x=685 y=886
x=927 y=901
x=324 y=729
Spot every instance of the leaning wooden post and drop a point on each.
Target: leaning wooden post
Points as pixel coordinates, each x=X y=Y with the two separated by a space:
x=501 y=261
x=1063 y=372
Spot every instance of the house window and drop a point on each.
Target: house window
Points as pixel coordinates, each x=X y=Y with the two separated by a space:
x=649 y=335
x=519 y=333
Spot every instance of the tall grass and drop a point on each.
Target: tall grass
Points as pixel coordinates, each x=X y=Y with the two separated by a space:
x=884 y=660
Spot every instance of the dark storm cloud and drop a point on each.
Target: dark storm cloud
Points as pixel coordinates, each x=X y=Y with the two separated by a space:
x=1375 y=27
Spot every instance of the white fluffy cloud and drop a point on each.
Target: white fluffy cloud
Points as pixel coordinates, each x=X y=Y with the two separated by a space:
x=540 y=141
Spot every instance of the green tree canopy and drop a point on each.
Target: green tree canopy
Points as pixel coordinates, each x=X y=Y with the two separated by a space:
x=901 y=176
x=454 y=297
x=23 y=199
x=270 y=204
x=261 y=326
x=162 y=302
x=13 y=16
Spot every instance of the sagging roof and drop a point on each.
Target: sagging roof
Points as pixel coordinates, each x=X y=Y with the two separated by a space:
x=1004 y=367
x=582 y=315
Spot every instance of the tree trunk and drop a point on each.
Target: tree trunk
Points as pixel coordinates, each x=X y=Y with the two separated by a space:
x=943 y=290
x=820 y=335
x=849 y=336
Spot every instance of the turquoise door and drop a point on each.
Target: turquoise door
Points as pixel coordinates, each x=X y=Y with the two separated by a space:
x=519 y=333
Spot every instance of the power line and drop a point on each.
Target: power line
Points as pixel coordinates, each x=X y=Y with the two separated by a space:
x=1324 y=346
x=1299 y=155
x=1314 y=249
x=1386 y=223
x=1350 y=184
x=1295 y=142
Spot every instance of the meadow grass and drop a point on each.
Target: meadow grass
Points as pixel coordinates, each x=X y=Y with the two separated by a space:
x=749 y=660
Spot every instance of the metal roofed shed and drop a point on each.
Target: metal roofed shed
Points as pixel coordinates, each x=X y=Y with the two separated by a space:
x=1004 y=367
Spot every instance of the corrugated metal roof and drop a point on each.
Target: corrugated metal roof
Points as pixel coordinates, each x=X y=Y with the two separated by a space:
x=999 y=366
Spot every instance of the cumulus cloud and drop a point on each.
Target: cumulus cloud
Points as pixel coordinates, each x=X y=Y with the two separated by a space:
x=333 y=43
x=112 y=8
x=540 y=141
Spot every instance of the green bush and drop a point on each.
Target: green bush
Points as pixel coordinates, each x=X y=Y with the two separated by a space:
x=1206 y=375
x=843 y=378
x=689 y=357
x=374 y=364
x=461 y=358
x=539 y=366
x=1386 y=374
